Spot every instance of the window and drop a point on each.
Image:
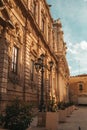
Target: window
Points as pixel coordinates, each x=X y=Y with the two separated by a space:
x=32 y=70
x=80 y=87
x=14 y=59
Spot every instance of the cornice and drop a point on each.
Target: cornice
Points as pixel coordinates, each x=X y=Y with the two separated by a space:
x=77 y=76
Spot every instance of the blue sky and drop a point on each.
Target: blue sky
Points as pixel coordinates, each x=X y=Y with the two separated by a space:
x=73 y=15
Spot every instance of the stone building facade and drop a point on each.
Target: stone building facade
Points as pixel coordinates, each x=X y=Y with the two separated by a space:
x=78 y=89
x=63 y=70
x=26 y=31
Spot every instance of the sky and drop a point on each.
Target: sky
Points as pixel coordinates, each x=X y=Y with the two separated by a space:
x=73 y=16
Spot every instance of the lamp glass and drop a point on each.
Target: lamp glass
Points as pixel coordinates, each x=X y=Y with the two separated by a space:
x=37 y=67
x=42 y=56
x=51 y=64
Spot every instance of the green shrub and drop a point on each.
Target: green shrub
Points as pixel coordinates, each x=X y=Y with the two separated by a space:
x=18 y=116
x=52 y=107
x=61 y=106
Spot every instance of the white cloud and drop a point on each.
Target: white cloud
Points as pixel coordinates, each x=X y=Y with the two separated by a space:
x=77 y=48
x=77 y=55
x=83 y=45
x=73 y=51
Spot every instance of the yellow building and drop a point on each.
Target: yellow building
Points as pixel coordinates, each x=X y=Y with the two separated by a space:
x=78 y=89
x=27 y=31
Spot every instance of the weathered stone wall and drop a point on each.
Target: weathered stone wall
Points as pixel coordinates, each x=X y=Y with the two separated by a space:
x=3 y=71
x=31 y=31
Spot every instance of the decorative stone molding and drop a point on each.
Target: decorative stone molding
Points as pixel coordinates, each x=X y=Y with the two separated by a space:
x=14 y=78
x=10 y=2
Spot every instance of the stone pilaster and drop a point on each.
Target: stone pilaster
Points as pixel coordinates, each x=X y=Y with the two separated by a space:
x=3 y=71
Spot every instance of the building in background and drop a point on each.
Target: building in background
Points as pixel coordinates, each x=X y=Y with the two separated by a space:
x=78 y=89
x=27 y=30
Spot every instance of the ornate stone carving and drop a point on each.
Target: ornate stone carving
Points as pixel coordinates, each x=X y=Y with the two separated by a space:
x=10 y=3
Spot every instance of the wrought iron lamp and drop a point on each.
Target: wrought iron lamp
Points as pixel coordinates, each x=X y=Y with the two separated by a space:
x=40 y=66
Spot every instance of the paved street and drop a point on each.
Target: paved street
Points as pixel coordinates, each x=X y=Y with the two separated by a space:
x=76 y=120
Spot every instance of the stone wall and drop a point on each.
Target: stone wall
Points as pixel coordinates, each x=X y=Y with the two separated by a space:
x=28 y=27
x=77 y=87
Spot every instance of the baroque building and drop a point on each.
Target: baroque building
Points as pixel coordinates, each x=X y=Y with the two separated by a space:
x=78 y=89
x=27 y=30
x=63 y=70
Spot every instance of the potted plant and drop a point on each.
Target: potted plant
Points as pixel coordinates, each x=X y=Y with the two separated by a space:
x=18 y=116
x=62 y=112
x=52 y=115
x=52 y=107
